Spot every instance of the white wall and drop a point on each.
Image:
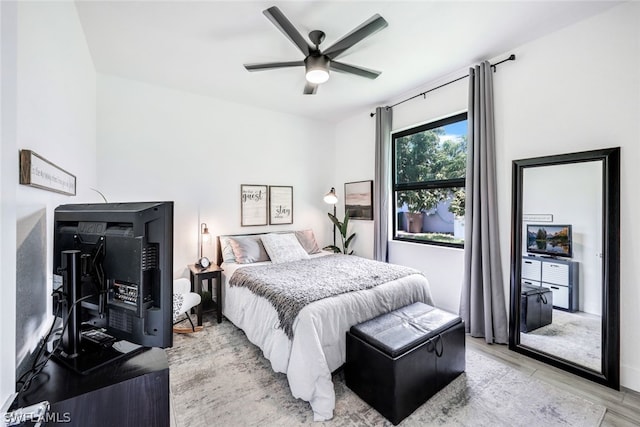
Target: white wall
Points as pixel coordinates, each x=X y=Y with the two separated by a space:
x=162 y=144
x=576 y=89
x=50 y=109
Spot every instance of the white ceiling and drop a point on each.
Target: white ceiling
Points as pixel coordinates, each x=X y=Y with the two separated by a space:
x=200 y=47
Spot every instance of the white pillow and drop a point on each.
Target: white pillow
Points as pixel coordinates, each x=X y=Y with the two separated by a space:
x=283 y=247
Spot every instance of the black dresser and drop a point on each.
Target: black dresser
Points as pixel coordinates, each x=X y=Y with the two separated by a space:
x=132 y=392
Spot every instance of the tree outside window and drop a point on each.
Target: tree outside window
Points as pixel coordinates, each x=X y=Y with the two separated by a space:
x=429 y=181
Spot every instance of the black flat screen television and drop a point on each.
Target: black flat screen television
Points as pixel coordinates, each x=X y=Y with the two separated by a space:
x=116 y=265
x=550 y=239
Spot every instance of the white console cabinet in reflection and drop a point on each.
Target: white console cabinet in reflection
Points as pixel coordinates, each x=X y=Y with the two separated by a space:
x=559 y=275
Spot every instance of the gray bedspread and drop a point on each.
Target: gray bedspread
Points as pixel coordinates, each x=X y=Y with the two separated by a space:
x=290 y=286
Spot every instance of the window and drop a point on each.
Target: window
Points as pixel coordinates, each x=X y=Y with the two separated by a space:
x=429 y=168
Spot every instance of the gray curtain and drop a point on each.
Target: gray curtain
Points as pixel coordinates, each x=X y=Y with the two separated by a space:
x=482 y=303
x=381 y=183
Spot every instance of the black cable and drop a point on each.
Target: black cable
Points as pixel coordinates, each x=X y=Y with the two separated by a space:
x=45 y=339
x=48 y=334
x=35 y=372
x=38 y=368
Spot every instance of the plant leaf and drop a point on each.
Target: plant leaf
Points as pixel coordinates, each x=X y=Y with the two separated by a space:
x=345 y=224
x=335 y=220
x=349 y=239
x=332 y=248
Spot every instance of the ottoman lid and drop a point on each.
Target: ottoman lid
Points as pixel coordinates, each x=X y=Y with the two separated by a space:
x=533 y=290
x=405 y=328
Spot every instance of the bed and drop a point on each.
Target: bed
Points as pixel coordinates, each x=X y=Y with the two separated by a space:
x=309 y=344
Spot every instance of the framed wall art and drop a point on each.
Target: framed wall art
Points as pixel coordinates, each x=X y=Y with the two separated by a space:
x=358 y=199
x=253 y=205
x=36 y=171
x=280 y=204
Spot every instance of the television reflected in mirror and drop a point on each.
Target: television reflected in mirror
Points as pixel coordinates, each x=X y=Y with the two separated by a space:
x=549 y=240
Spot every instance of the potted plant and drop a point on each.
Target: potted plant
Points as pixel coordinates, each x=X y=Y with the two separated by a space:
x=457 y=208
x=342 y=228
x=418 y=202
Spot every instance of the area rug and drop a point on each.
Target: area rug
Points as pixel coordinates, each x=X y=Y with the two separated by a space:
x=218 y=377
x=570 y=336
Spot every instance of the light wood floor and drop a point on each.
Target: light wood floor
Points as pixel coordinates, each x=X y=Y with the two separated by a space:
x=623 y=407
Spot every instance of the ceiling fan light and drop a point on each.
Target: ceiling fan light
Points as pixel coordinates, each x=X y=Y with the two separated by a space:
x=317 y=69
x=317 y=76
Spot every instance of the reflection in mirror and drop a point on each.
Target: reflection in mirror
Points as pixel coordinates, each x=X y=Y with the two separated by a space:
x=565 y=262
x=562 y=261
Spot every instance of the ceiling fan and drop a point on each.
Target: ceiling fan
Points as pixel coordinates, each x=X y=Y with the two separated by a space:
x=318 y=62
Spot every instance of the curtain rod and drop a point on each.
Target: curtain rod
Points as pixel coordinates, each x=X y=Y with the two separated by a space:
x=511 y=57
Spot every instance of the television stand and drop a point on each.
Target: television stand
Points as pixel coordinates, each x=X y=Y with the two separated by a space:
x=560 y=275
x=92 y=358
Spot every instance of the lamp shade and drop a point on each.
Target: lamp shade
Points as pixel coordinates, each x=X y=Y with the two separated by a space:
x=205 y=237
x=331 y=197
x=317 y=69
x=204 y=230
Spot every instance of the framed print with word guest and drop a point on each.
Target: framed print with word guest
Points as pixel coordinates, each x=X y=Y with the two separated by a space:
x=358 y=199
x=280 y=204
x=253 y=205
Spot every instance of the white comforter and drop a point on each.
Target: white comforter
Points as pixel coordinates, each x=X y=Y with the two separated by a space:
x=318 y=346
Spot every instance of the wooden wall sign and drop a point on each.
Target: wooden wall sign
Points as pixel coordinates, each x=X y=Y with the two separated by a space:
x=36 y=171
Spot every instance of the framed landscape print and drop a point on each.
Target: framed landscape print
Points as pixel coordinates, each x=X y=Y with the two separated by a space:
x=358 y=199
x=280 y=204
x=253 y=205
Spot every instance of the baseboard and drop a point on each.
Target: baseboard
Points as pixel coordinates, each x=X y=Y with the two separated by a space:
x=630 y=377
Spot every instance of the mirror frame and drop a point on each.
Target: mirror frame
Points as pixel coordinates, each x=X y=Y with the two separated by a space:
x=610 y=157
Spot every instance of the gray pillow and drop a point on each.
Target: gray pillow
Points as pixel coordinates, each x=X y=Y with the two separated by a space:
x=248 y=249
x=308 y=241
x=227 y=251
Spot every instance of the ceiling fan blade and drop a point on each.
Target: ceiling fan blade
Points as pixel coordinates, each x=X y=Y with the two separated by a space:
x=287 y=28
x=367 y=28
x=310 y=88
x=352 y=69
x=272 y=65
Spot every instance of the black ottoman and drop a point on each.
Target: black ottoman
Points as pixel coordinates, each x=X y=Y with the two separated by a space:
x=536 y=307
x=397 y=361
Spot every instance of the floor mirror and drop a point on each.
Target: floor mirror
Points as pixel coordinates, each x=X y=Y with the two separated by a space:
x=565 y=298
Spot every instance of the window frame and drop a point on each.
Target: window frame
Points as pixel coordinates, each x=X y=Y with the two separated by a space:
x=422 y=185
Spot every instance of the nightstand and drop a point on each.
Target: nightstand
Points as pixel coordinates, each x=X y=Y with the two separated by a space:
x=198 y=275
